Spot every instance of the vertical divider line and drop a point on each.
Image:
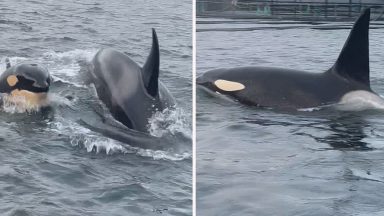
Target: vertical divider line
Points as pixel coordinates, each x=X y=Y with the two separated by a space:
x=194 y=107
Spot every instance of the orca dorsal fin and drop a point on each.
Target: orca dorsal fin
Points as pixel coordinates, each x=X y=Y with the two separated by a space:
x=151 y=67
x=353 y=61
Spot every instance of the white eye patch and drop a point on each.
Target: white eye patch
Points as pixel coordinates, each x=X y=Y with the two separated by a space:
x=226 y=85
x=12 y=80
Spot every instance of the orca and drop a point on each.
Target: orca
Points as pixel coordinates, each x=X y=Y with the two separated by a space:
x=25 y=84
x=130 y=92
x=293 y=89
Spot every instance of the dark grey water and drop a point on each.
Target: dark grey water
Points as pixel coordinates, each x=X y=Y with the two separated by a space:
x=51 y=165
x=261 y=162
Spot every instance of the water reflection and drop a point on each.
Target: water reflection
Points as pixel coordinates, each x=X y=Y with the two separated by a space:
x=343 y=130
x=347 y=133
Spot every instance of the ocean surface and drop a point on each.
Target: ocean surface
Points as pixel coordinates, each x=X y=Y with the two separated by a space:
x=51 y=164
x=313 y=162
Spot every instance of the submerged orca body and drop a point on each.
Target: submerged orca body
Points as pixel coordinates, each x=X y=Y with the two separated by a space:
x=293 y=89
x=131 y=93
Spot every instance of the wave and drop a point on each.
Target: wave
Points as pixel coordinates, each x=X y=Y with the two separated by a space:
x=97 y=144
x=83 y=137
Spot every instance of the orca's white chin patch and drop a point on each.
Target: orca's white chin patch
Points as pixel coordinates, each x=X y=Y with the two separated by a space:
x=24 y=101
x=360 y=100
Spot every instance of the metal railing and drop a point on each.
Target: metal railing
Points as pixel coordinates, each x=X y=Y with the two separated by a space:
x=294 y=9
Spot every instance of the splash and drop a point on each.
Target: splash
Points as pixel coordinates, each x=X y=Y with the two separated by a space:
x=92 y=142
x=96 y=144
x=170 y=121
x=20 y=104
x=85 y=138
x=67 y=64
x=56 y=99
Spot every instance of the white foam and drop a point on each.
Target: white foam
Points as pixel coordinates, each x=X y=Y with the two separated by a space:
x=69 y=70
x=310 y=109
x=66 y=64
x=63 y=64
x=56 y=99
x=76 y=54
x=57 y=78
x=83 y=137
x=93 y=142
x=19 y=104
x=163 y=155
x=169 y=121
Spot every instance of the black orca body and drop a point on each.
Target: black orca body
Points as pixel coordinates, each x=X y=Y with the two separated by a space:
x=131 y=93
x=28 y=81
x=292 y=89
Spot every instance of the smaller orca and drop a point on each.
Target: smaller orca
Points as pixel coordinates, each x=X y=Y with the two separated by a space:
x=26 y=84
x=131 y=93
x=293 y=89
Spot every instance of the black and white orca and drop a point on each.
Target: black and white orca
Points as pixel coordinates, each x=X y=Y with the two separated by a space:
x=347 y=80
x=131 y=93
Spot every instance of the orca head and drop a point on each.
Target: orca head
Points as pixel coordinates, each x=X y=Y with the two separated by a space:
x=25 y=83
x=353 y=61
x=32 y=77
